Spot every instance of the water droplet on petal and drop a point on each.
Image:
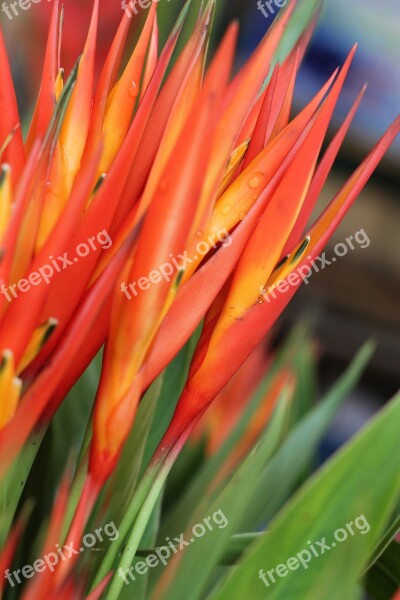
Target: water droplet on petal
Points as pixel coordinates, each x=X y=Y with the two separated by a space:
x=242 y=215
x=255 y=181
x=133 y=90
x=199 y=234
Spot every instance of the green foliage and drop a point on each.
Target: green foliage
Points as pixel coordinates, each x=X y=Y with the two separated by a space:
x=362 y=479
x=272 y=511
x=383 y=578
x=269 y=476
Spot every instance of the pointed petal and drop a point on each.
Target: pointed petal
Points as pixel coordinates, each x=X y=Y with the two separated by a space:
x=123 y=97
x=321 y=176
x=245 y=334
x=14 y=154
x=47 y=94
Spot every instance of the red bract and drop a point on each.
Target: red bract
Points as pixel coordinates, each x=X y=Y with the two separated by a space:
x=76 y=20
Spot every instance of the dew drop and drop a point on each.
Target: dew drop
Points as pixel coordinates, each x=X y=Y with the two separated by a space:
x=133 y=90
x=255 y=181
x=199 y=234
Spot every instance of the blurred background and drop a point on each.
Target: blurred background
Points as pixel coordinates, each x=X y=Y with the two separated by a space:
x=358 y=297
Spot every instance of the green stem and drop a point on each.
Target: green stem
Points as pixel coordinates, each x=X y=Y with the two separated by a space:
x=138 y=530
x=74 y=496
x=79 y=478
x=137 y=501
x=141 y=505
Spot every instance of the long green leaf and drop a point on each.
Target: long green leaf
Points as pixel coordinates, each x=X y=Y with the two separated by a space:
x=187 y=501
x=229 y=505
x=302 y=444
x=360 y=485
x=383 y=578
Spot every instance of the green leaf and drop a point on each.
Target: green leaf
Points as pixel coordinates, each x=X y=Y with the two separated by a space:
x=388 y=536
x=39 y=467
x=123 y=482
x=149 y=538
x=229 y=506
x=303 y=14
x=305 y=395
x=13 y=483
x=187 y=502
x=71 y=431
x=360 y=485
x=173 y=381
x=302 y=444
x=383 y=578
x=71 y=420
x=235 y=547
